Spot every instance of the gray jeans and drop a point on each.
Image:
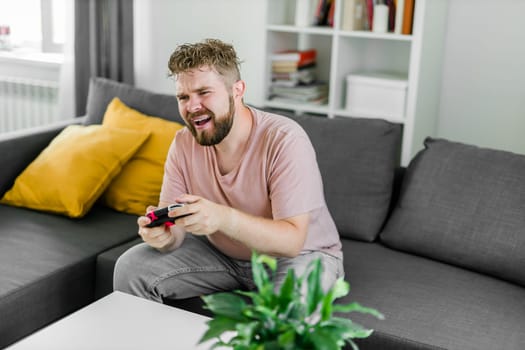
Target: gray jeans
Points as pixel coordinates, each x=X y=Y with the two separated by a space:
x=197 y=268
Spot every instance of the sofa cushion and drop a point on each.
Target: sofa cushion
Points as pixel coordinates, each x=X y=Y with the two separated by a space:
x=357 y=159
x=106 y=265
x=138 y=184
x=463 y=205
x=429 y=304
x=73 y=171
x=47 y=263
x=102 y=91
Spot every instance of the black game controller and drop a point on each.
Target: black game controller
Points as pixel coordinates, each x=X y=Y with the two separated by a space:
x=160 y=216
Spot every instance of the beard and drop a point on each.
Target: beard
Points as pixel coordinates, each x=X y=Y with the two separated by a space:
x=222 y=128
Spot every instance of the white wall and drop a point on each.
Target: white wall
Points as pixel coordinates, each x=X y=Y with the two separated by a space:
x=483 y=87
x=161 y=25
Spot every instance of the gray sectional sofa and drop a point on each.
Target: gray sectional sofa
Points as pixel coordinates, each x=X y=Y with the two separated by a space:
x=438 y=247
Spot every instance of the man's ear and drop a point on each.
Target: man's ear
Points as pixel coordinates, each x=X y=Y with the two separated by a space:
x=239 y=87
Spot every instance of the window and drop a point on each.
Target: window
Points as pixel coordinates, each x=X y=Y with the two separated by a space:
x=32 y=25
x=32 y=35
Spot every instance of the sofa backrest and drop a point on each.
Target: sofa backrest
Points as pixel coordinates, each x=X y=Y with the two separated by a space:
x=19 y=148
x=357 y=159
x=464 y=205
x=102 y=91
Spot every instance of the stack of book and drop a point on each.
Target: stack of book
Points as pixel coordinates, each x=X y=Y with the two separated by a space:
x=294 y=79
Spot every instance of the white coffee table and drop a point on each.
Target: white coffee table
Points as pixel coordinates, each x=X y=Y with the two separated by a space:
x=121 y=321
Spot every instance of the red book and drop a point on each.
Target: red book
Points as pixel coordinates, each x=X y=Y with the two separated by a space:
x=301 y=57
x=391 y=15
x=331 y=13
x=370 y=13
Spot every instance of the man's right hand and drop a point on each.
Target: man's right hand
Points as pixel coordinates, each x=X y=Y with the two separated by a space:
x=163 y=237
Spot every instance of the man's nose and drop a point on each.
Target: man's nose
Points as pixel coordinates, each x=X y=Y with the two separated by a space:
x=194 y=105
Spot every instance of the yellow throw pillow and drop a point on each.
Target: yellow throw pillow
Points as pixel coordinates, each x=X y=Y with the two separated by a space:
x=70 y=174
x=138 y=185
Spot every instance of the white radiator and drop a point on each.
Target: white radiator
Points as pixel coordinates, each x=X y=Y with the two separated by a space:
x=26 y=102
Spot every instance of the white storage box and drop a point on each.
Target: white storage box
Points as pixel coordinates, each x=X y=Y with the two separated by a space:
x=376 y=95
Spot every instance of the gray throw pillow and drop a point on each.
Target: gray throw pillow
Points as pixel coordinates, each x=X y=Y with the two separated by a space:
x=102 y=91
x=463 y=205
x=357 y=159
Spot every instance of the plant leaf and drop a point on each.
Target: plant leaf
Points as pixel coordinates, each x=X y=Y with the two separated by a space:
x=267 y=260
x=246 y=331
x=225 y=304
x=217 y=326
x=254 y=296
x=260 y=276
x=294 y=312
x=287 y=291
x=356 y=307
x=268 y=317
x=326 y=306
x=339 y=289
x=352 y=344
x=324 y=340
x=270 y=345
x=346 y=328
x=315 y=291
x=286 y=340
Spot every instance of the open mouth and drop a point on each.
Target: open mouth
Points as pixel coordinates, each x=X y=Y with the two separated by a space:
x=201 y=120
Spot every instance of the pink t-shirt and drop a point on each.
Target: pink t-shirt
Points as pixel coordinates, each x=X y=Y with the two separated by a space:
x=277 y=177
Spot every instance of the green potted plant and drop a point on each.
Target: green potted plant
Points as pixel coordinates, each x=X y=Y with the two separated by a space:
x=285 y=319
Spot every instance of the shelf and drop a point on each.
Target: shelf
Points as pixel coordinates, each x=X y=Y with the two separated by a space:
x=306 y=30
x=330 y=31
x=298 y=107
x=371 y=35
x=342 y=52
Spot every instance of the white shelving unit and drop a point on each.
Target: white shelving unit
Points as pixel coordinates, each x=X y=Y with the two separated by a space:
x=339 y=53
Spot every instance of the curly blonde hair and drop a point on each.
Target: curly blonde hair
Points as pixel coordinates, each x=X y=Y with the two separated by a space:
x=210 y=52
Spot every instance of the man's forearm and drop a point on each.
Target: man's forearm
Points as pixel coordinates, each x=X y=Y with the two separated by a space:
x=284 y=237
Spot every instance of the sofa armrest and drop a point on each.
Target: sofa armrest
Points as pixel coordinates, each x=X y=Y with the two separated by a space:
x=19 y=148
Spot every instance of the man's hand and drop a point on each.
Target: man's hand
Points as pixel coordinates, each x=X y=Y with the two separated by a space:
x=162 y=237
x=206 y=216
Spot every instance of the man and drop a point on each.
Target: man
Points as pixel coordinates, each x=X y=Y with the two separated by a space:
x=249 y=180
